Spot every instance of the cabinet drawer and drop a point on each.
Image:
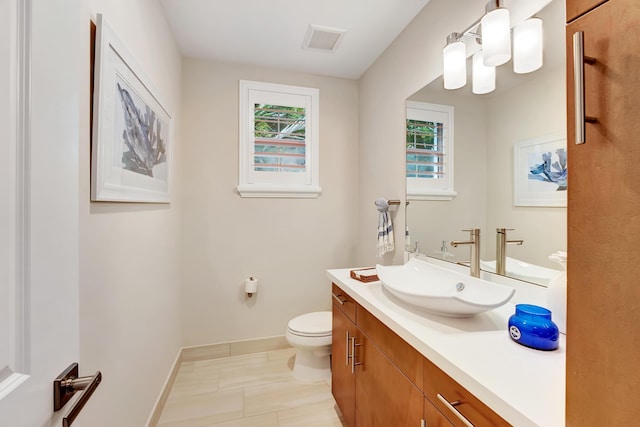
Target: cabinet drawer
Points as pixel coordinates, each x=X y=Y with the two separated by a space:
x=576 y=8
x=401 y=354
x=459 y=400
x=345 y=302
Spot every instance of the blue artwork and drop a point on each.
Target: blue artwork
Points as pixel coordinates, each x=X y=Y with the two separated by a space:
x=142 y=136
x=551 y=168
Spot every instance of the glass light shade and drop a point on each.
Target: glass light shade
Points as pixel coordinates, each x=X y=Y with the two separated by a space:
x=527 y=46
x=484 y=78
x=496 y=37
x=455 y=65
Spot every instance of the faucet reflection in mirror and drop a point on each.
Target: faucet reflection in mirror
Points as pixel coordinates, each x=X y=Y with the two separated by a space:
x=501 y=249
x=493 y=32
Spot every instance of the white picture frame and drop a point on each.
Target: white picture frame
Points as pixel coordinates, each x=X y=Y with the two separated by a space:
x=132 y=130
x=540 y=171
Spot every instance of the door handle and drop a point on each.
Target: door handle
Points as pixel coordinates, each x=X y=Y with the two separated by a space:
x=579 y=59
x=66 y=385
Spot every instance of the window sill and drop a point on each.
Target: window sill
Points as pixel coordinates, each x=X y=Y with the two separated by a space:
x=442 y=195
x=283 y=192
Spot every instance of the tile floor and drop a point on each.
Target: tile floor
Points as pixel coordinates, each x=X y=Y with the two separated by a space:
x=255 y=389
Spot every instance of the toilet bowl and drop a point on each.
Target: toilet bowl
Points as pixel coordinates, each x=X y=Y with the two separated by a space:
x=310 y=335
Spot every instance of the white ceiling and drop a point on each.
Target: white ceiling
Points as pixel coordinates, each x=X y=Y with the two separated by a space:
x=271 y=33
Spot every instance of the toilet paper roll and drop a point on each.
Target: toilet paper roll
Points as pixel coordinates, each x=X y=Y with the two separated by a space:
x=251 y=285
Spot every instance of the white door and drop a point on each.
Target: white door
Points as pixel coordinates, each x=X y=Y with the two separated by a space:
x=39 y=138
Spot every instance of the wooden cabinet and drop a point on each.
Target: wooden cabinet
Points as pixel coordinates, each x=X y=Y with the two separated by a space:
x=379 y=380
x=603 y=266
x=576 y=8
x=387 y=372
x=343 y=380
x=384 y=396
x=455 y=401
x=433 y=417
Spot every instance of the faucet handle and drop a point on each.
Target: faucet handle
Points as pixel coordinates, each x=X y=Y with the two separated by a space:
x=504 y=230
x=473 y=231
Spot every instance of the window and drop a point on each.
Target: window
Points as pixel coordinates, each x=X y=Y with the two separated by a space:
x=278 y=141
x=429 y=157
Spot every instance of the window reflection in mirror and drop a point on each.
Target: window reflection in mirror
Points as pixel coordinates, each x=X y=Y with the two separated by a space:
x=486 y=129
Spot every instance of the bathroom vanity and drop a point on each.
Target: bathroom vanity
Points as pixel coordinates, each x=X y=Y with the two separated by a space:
x=393 y=364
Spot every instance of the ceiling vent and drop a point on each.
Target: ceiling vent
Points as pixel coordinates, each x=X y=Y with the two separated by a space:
x=322 y=38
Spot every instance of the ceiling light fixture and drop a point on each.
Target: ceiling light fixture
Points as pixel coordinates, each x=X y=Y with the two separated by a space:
x=496 y=34
x=493 y=32
x=455 y=62
x=484 y=78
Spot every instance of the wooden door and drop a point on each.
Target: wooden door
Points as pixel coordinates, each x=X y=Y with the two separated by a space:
x=384 y=395
x=343 y=381
x=576 y=8
x=603 y=266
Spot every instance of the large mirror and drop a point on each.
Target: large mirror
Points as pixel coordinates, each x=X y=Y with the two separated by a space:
x=491 y=133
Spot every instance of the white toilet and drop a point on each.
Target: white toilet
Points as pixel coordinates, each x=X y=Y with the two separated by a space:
x=310 y=334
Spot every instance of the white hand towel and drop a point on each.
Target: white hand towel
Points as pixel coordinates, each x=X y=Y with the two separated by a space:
x=385 y=228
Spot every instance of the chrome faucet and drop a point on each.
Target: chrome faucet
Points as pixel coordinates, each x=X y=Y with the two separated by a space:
x=474 y=243
x=501 y=249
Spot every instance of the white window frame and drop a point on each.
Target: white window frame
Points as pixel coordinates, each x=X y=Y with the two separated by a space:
x=252 y=183
x=426 y=188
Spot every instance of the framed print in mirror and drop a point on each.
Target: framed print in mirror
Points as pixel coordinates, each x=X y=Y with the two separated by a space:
x=132 y=130
x=540 y=171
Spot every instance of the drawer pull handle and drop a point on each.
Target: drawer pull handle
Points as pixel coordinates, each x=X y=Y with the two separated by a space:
x=346 y=348
x=337 y=298
x=452 y=408
x=579 y=60
x=353 y=353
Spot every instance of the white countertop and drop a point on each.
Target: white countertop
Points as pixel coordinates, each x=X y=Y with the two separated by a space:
x=524 y=386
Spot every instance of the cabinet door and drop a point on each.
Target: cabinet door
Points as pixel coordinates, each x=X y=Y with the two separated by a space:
x=576 y=8
x=343 y=381
x=433 y=417
x=385 y=396
x=455 y=401
x=604 y=222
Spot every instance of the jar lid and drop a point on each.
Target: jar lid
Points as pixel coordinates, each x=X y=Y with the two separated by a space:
x=532 y=311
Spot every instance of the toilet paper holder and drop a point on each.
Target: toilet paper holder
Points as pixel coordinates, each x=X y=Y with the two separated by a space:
x=251 y=286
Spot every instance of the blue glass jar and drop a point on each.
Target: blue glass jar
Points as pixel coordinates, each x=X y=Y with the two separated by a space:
x=531 y=326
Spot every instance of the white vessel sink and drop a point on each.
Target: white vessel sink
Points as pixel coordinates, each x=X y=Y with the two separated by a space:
x=523 y=271
x=441 y=291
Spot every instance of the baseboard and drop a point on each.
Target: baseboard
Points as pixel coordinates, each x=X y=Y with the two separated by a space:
x=158 y=407
x=206 y=352
x=234 y=348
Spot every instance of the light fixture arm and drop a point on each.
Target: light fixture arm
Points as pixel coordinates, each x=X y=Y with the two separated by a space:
x=493 y=5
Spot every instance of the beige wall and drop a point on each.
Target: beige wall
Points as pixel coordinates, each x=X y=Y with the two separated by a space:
x=411 y=61
x=515 y=116
x=130 y=253
x=287 y=244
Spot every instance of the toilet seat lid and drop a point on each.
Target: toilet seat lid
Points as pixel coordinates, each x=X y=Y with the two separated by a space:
x=312 y=324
